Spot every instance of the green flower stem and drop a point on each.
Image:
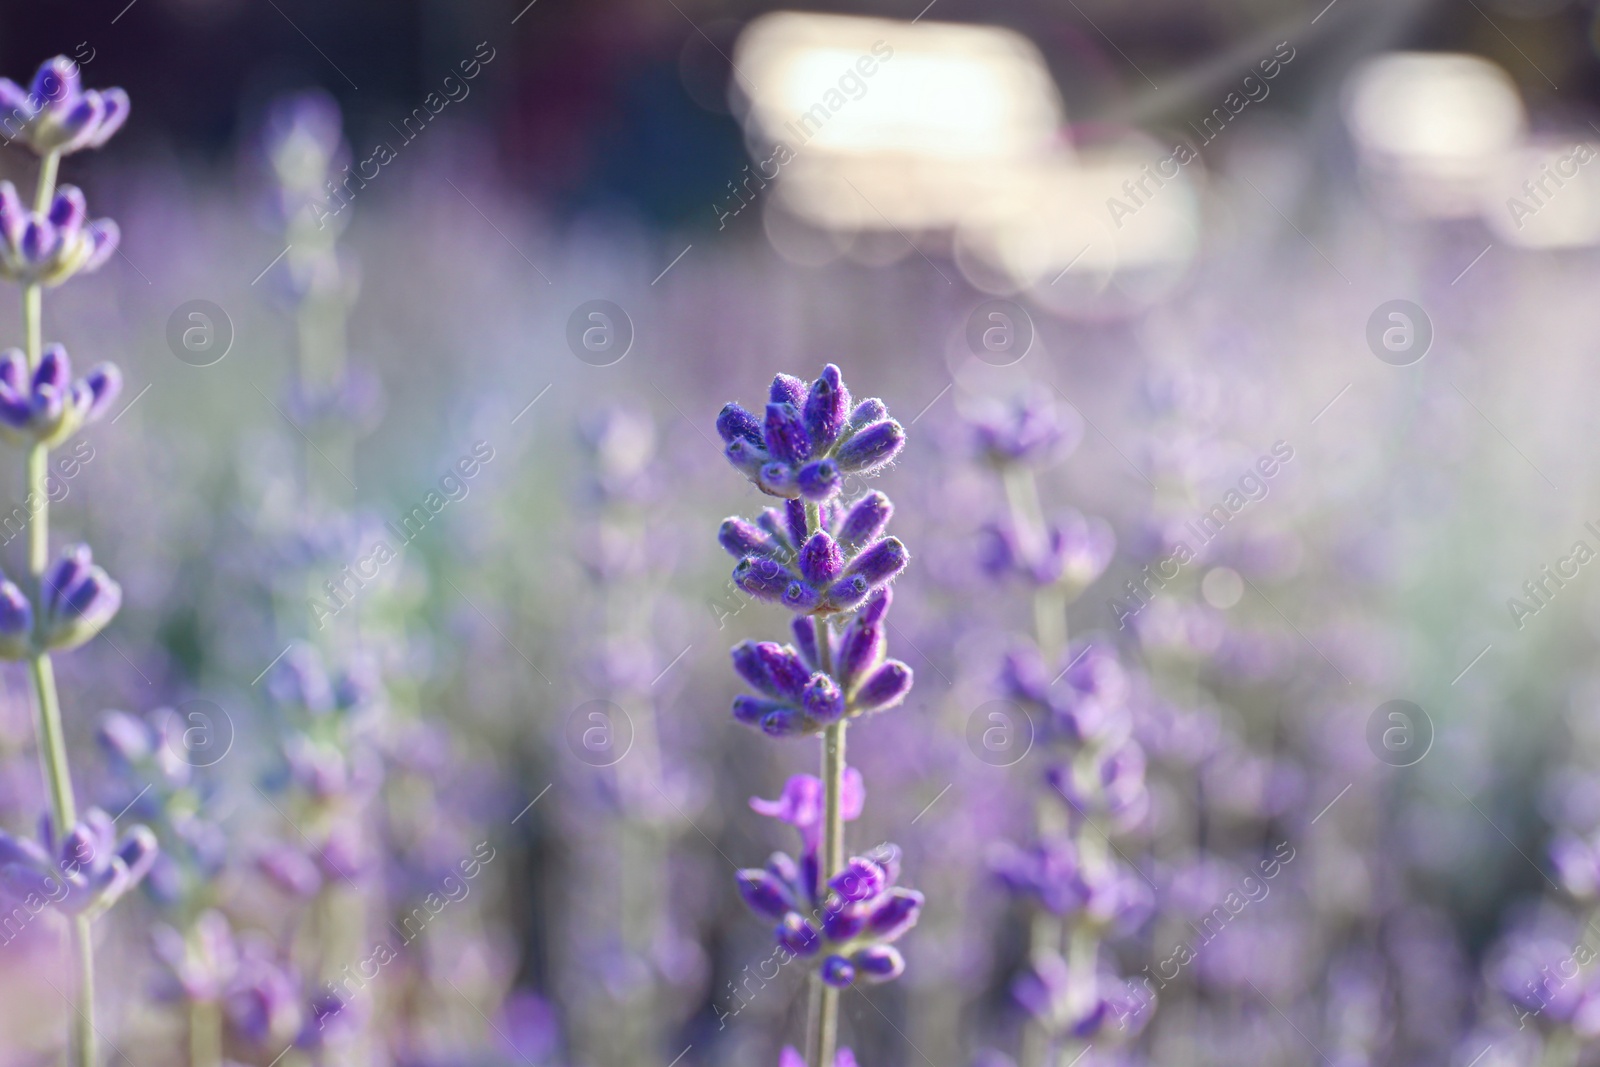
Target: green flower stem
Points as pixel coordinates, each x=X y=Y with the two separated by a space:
x=205 y=1033
x=824 y=1038
x=52 y=740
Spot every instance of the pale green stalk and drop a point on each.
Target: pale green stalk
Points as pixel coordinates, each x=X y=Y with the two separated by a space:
x=52 y=739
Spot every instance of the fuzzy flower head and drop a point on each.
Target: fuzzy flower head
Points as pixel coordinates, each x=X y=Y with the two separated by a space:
x=1032 y=429
x=47 y=249
x=82 y=874
x=795 y=698
x=56 y=113
x=49 y=405
x=809 y=439
x=835 y=569
x=78 y=600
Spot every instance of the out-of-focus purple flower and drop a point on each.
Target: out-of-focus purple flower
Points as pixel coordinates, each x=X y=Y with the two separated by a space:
x=1076 y=551
x=1577 y=864
x=528 y=1026
x=205 y=960
x=801 y=804
x=84 y=873
x=353 y=404
x=16 y=621
x=290 y=869
x=47 y=249
x=1066 y=1006
x=805 y=443
x=56 y=114
x=791 y=1058
x=1031 y=429
x=263 y=1002
x=301 y=680
x=48 y=406
x=79 y=599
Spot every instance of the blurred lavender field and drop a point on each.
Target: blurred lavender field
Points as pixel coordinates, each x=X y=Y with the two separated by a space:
x=1230 y=377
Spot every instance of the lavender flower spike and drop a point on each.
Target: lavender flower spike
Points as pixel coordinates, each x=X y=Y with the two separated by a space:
x=55 y=114
x=805 y=442
x=82 y=874
x=48 y=249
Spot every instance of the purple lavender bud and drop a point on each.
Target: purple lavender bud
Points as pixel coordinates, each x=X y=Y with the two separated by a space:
x=838 y=972
x=787 y=389
x=861 y=650
x=1577 y=866
x=55 y=369
x=127 y=738
x=761 y=577
x=845 y=921
x=819 y=480
x=826 y=407
x=865 y=520
x=871 y=448
x=805 y=640
x=821 y=560
x=785 y=434
x=16 y=621
x=879 y=963
x=764 y=894
x=881 y=562
x=776 y=479
x=823 y=699
x=785 y=721
x=138 y=853
x=752 y=710
x=69 y=209
x=873 y=611
x=105 y=385
x=861 y=879
x=801 y=597
x=79 y=599
x=748 y=661
x=741 y=538
x=848 y=591
x=747 y=456
x=734 y=423
x=797 y=935
x=794 y=523
x=866 y=413
x=56 y=82
x=897 y=914
x=885 y=687
x=782 y=664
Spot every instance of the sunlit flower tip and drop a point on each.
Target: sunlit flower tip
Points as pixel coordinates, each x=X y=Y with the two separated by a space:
x=764 y=894
x=797 y=935
x=48 y=249
x=881 y=562
x=787 y=389
x=79 y=600
x=821 y=559
x=871 y=448
x=56 y=114
x=884 y=688
x=861 y=879
x=879 y=963
x=16 y=621
x=784 y=434
x=838 y=972
x=827 y=407
x=866 y=413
